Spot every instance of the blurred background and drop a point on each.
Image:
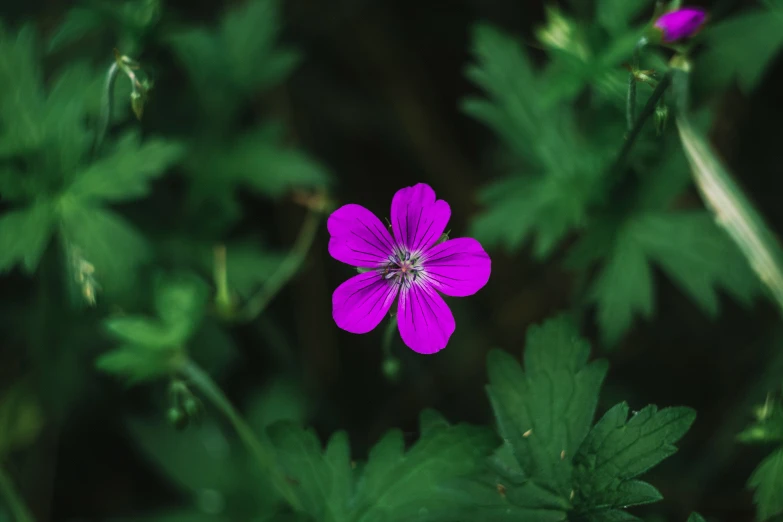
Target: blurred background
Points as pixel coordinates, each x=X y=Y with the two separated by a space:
x=375 y=100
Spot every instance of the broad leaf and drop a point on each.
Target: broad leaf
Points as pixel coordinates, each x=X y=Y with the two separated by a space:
x=545 y=411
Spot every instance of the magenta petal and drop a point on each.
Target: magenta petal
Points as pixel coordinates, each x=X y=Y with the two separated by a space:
x=424 y=319
x=457 y=267
x=360 y=304
x=358 y=237
x=681 y=23
x=418 y=220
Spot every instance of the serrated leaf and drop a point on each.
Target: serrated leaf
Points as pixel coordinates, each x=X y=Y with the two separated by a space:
x=106 y=241
x=399 y=485
x=125 y=173
x=561 y=170
x=394 y=484
x=545 y=411
x=691 y=250
x=623 y=289
x=322 y=481
x=741 y=48
x=254 y=58
x=24 y=235
x=619 y=449
x=767 y=480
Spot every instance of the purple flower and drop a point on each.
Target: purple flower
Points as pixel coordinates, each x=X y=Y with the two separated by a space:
x=413 y=265
x=681 y=23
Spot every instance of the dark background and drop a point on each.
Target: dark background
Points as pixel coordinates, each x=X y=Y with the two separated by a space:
x=376 y=100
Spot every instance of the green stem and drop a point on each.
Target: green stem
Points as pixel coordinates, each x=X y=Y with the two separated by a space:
x=262 y=453
x=630 y=102
x=388 y=335
x=14 y=501
x=647 y=111
x=288 y=268
x=106 y=104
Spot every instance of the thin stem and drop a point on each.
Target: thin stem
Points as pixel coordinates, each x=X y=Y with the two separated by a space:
x=262 y=453
x=288 y=268
x=647 y=111
x=13 y=499
x=106 y=104
x=630 y=102
x=388 y=335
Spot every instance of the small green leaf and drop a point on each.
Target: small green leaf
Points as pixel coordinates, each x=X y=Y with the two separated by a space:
x=137 y=364
x=545 y=411
x=695 y=517
x=767 y=480
x=125 y=173
x=180 y=301
x=142 y=331
x=24 y=235
x=619 y=449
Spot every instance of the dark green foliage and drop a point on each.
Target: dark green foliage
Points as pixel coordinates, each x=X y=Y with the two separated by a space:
x=562 y=179
x=553 y=465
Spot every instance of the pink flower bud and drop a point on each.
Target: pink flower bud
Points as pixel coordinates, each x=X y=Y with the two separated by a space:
x=681 y=23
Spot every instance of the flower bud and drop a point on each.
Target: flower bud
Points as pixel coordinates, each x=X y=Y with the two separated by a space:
x=391 y=368
x=661 y=116
x=681 y=23
x=177 y=418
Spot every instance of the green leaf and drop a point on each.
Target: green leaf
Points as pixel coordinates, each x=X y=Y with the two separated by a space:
x=394 y=484
x=741 y=48
x=180 y=301
x=78 y=22
x=619 y=449
x=545 y=411
x=241 y=57
x=24 y=235
x=399 y=485
x=617 y=15
x=22 y=99
x=323 y=481
x=767 y=480
x=255 y=161
x=106 y=241
x=21 y=419
x=623 y=289
x=561 y=169
x=126 y=171
x=695 y=517
x=689 y=247
x=249 y=35
x=143 y=332
x=137 y=364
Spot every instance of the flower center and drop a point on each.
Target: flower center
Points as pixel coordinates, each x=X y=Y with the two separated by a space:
x=402 y=268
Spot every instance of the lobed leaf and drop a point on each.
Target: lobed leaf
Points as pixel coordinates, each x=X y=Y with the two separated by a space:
x=767 y=480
